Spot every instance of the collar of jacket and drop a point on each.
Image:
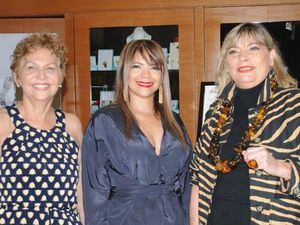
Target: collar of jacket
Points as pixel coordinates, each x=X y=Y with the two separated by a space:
x=229 y=91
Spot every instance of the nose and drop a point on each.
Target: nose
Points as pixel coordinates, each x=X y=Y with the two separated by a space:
x=41 y=73
x=243 y=56
x=146 y=72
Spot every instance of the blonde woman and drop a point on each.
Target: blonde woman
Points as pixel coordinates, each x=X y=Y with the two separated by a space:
x=246 y=169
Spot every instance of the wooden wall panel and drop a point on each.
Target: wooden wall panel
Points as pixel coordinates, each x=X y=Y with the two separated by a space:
x=31 y=25
x=220 y=3
x=68 y=90
x=284 y=12
x=199 y=55
x=60 y=7
x=15 y=8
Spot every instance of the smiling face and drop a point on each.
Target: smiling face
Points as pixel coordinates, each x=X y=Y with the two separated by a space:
x=144 y=78
x=39 y=75
x=248 y=62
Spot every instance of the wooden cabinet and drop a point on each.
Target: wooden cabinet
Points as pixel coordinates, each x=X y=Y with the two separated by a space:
x=84 y=23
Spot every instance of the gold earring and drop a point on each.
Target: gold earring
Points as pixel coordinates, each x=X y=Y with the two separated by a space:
x=160 y=95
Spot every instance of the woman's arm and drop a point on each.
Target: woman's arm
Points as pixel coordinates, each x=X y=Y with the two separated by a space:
x=95 y=178
x=194 y=206
x=6 y=126
x=74 y=128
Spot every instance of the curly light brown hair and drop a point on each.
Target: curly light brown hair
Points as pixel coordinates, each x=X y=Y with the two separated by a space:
x=40 y=40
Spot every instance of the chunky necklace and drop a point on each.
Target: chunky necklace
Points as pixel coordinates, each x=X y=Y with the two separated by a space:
x=227 y=165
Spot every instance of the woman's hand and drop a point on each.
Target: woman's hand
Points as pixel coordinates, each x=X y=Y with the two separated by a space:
x=267 y=162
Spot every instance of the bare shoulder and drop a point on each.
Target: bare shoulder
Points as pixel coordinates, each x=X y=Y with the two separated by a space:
x=5 y=120
x=74 y=127
x=6 y=125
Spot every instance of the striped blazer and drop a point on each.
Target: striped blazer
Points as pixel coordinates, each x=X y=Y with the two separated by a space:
x=272 y=200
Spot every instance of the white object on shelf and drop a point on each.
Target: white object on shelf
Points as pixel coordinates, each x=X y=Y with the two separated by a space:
x=105 y=59
x=115 y=62
x=93 y=63
x=138 y=34
x=174 y=55
x=175 y=106
x=165 y=51
x=106 y=98
x=169 y=65
x=94 y=106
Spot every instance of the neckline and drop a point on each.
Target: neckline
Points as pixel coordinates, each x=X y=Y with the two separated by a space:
x=148 y=141
x=32 y=127
x=255 y=89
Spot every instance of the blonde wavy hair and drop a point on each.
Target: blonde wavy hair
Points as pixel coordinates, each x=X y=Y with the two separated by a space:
x=262 y=36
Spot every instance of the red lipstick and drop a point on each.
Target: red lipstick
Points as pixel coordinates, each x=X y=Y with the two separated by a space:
x=245 y=69
x=145 y=84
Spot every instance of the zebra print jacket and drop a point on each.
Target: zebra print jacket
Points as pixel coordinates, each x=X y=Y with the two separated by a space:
x=272 y=200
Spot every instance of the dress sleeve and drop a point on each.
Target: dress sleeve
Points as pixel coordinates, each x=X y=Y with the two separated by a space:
x=195 y=165
x=185 y=183
x=184 y=176
x=96 y=181
x=202 y=140
x=292 y=186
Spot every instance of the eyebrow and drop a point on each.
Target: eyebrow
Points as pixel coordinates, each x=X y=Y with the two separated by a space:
x=29 y=61
x=252 y=43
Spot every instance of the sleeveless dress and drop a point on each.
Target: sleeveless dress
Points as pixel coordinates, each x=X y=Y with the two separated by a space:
x=38 y=174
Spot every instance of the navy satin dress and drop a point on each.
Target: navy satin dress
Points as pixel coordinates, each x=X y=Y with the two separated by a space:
x=125 y=182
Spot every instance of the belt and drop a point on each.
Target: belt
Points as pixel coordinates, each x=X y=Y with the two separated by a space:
x=152 y=190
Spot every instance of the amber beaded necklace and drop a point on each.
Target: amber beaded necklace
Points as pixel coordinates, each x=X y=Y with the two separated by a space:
x=227 y=165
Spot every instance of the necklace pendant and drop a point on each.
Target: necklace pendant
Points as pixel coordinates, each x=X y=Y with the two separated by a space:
x=219 y=166
x=252 y=164
x=232 y=164
x=225 y=168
